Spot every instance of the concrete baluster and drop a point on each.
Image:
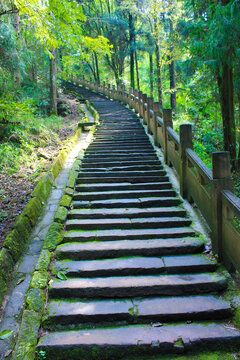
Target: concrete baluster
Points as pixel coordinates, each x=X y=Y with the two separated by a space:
x=149 y=107
x=157 y=112
x=167 y=122
x=221 y=172
x=144 y=113
x=185 y=143
x=130 y=97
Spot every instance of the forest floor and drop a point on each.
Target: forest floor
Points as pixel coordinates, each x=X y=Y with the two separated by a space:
x=16 y=189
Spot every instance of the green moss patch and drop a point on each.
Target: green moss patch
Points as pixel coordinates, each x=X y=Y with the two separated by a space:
x=6 y=269
x=54 y=236
x=32 y=210
x=35 y=300
x=39 y=280
x=14 y=243
x=43 y=260
x=27 y=339
x=23 y=226
x=69 y=191
x=72 y=179
x=66 y=201
x=43 y=187
x=61 y=214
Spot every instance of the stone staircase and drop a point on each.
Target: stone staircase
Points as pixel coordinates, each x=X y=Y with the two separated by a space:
x=137 y=281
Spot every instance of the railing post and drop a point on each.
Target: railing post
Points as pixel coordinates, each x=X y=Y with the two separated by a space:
x=185 y=142
x=167 y=121
x=124 y=94
x=104 y=88
x=149 y=107
x=144 y=114
x=157 y=111
x=130 y=97
x=140 y=104
x=136 y=101
x=113 y=92
x=221 y=172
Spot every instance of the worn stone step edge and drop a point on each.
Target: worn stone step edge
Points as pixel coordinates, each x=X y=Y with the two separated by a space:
x=122 y=186
x=125 y=213
x=164 y=309
x=136 y=265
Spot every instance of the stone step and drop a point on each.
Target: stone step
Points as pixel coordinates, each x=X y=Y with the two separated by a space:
x=119 y=157
x=121 y=248
x=135 y=266
x=122 y=187
x=117 y=342
x=121 y=174
x=129 y=152
x=106 y=168
x=129 y=234
x=122 y=141
x=129 y=162
x=131 y=286
x=196 y=307
x=126 y=194
x=125 y=213
x=127 y=203
x=120 y=145
x=115 y=179
x=126 y=223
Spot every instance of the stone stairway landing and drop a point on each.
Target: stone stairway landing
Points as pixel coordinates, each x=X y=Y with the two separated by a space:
x=136 y=278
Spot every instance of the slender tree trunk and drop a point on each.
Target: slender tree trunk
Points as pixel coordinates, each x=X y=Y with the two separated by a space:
x=159 y=80
x=131 y=40
x=17 y=74
x=53 y=83
x=172 y=85
x=151 y=73
x=225 y=83
x=137 y=71
x=238 y=129
x=97 y=68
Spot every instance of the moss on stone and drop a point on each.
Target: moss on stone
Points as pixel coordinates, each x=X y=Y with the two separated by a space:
x=32 y=210
x=6 y=269
x=35 y=300
x=61 y=214
x=14 y=243
x=65 y=201
x=69 y=191
x=43 y=260
x=27 y=339
x=54 y=236
x=72 y=179
x=43 y=187
x=39 y=280
x=23 y=227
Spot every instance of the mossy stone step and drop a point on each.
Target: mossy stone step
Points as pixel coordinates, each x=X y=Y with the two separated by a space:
x=85 y=178
x=119 y=234
x=128 y=203
x=132 y=286
x=122 y=186
x=196 y=307
x=126 y=223
x=129 y=162
x=125 y=213
x=135 y=266
x=118 y=248
x=114 y=343
x=141 y=168
x=125 y=194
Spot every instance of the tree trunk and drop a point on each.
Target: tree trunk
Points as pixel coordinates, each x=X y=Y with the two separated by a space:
x=151 y=74
x=172 y=85
x=137 y=72
x=97 y=68
x=131 y=41
x=53 y=83
x=225 y=83
x=17 y=74
x=159 y=81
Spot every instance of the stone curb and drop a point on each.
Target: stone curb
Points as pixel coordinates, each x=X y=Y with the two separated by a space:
x=13 y=244
x=25 y=348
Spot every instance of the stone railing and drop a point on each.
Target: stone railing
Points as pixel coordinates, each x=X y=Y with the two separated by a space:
x=211 y=191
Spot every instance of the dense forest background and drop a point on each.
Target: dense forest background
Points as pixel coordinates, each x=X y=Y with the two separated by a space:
x=184 y=53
